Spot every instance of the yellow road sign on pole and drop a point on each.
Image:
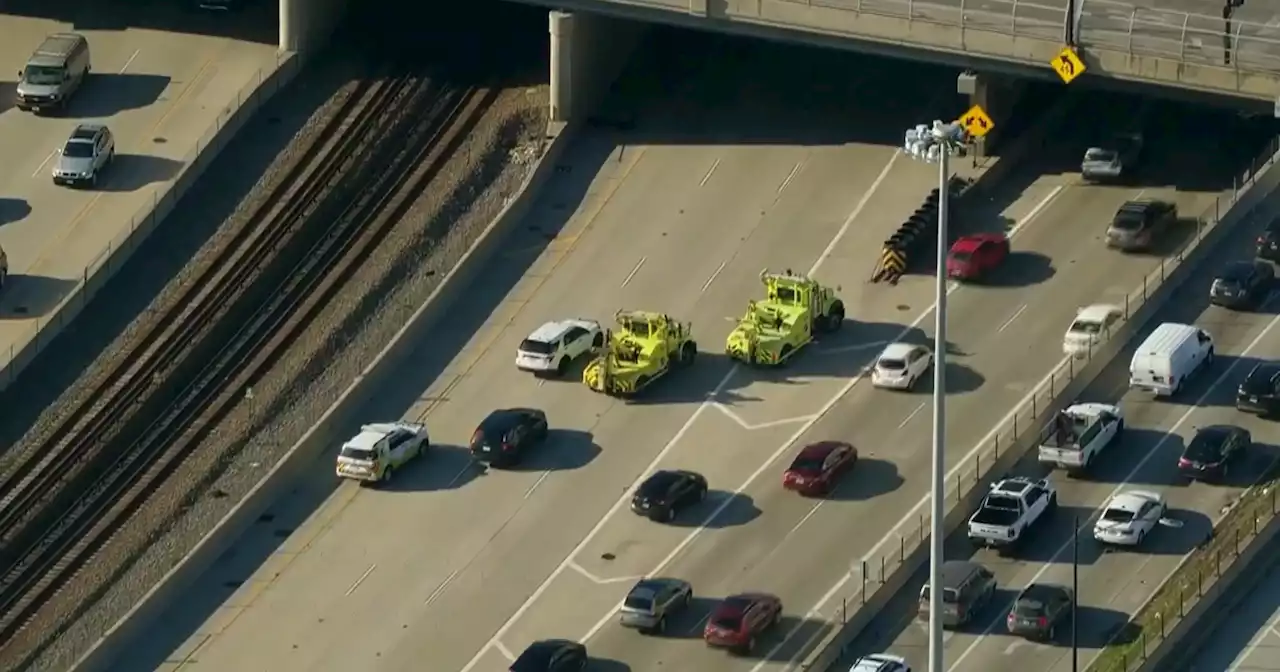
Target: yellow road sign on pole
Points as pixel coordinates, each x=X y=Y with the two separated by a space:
x=1068 y=65
x=976 y=122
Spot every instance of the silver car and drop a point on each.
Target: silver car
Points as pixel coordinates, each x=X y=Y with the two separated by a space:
x=652 y=601
x=88 y=151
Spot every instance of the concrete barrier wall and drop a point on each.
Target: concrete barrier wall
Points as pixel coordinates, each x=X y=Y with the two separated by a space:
x=883 y=581
x=232 y=118
x=588 y=51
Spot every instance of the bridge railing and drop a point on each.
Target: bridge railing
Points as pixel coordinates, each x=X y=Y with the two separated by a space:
x=1192 y=39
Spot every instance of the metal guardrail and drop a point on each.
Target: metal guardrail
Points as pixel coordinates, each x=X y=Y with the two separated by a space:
x=163 y=197
x=1192 y=39
x=867 y=575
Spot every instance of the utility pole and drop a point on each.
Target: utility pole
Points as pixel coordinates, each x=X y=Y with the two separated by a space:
x=1075 y=594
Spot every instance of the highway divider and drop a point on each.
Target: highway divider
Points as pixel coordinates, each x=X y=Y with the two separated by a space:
x=94 y=277
x=874 y=580
x=335 y=425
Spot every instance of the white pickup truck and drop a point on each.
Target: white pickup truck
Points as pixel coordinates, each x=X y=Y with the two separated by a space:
x=1010 y=509
x=1078 y=433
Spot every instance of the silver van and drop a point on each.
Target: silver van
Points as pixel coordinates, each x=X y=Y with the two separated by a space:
x=53 y=73
x=968 y=587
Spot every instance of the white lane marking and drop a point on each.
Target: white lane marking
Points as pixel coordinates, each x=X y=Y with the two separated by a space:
x=601 y=580
x=1169 y=434
x=715 y=275
x=360 y=580
x=710 y=170
x=495 y=640
x=853 y=348
x=633 y=272
x=913 y=514
x=461 y=474
x=791 y=176
x=529 y=493
x=800 y=524
x=440 y=588
x=39 y=168
x=1014 y=646
x=702 y=622
x=130 y=61
x=1011 y=318
x=502 y=649
x=729 y=413
x=910 y=415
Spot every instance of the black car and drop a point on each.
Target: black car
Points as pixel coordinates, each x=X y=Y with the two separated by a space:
x=504 y=436
x=1260 y=391
x=1039 y=610
x=663 y=494
x=1137 y=224
x=1269 y=242
x=1242 y=284
x=551 y=655
x=1212 y=451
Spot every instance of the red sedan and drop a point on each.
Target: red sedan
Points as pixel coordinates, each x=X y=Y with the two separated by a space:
x=739 y=620
x=818 y=467
x=973 y=256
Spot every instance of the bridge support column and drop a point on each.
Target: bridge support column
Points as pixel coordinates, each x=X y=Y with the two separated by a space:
x=996 y=95
x=587 y=54
x=305 y=25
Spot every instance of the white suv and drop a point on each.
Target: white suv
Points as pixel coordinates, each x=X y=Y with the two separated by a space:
x=881 y=662
x=552 y=347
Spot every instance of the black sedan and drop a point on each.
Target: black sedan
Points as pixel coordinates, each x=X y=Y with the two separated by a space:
x=1039 y=610
x=665 y=493
x=551 y=655
x=1269 y=242
x=1242 y=284
x=502 y=438
x=1260 y=391
x=1212 y=451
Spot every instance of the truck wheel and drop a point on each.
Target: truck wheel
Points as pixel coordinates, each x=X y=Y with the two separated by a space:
x=1119 y=428
x=562 y=366
x=1053 y=504
x=661 y=626
x=786 y=353
x=688 y=353
x=386 y=475
x=598 y=341
x=835 y=319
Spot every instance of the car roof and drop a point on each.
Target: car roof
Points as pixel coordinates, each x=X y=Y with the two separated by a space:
x=1040 y=591
x=877 y=662
x=1013 y=486
x=502 y=418
x=898 y=350
x=1216 y=431
x=366 y=439
x=818 y=450
x=664 y=476
x=736 y=605
x=652 y=585
x=1265 y=370
x=1132 y=500
x=542 y=650
x=1097 y=312
x=553 y=330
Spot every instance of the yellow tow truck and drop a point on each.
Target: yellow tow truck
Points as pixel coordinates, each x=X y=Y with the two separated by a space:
x=794 y=310
x=641 y=348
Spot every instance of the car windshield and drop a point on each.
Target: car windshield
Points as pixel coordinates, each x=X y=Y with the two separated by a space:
x=1085 y=327
x=949 y=596
x=354 y=453
x=961 y=256
x=1002 y=502
x=1205 y=447
x=43 y=75
x=1097 y=154
x=536 y=347
x=1259 y=381
x=1028 y=607
x=78 y=150
x=728 y=621
x=657 y=485
x=639 y=602
x=807 y=464
x=1127 y=222
x=1237 y=272
x=893 y=364
x=1117 y=516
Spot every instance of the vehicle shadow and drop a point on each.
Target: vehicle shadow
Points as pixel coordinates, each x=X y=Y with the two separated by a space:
x=1050 y=540
x=1172 y=239
x=688 y=624
x=443 y=467
x=8 y=90
x=13 y=210
x=32 y=295
x=961 y=379
x=1022 y=268
x=131 y=172
x=1117 y=464
x=595 y=664
x=1099 y=627
x=869 y=478
x=730 y=509
x=804 y=634
x=563 y=450
x=107 y=94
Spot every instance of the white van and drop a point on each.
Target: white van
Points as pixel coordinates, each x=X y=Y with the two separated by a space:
x=1170 y=355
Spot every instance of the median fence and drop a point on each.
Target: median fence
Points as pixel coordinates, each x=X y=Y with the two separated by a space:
x=161 y=201
x=874 y=579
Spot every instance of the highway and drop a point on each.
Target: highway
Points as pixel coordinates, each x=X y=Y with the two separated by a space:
x=158 y=92
x=1115 y=583
x=1248 y=640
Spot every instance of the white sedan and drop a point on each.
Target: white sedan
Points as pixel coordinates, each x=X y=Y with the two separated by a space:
x=1129 y=517
x=901 y=365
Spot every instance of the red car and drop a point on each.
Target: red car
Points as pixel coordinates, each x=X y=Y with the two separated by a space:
x=817 y=468
x=739 y=620
x=973 y=256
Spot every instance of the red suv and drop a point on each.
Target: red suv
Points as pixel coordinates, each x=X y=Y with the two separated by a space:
x=973 y=256
x=817 y=468
x=739 y=620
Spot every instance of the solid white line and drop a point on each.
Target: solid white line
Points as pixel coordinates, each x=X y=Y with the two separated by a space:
x=804 y=520
x=1012 y=318
x=130 y=61
x=633 y=272
x=710 y=170
x=502 y=649
x=853 y=348
x=36 y=172
x=857 y=210
x=440 y=588
x=728 y=413
x=529 y=493
x=910 y=415
x=715 y=275
x=1035 y=212
x=779 y=423
x=360 y=580
x=791 y=176
x=1168 y=435
x=462 y=473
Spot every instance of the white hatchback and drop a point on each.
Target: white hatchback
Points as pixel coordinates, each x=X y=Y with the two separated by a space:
x=901 y=365
x=552 y=347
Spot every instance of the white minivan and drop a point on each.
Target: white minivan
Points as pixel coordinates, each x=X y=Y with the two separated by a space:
x=1168 y=357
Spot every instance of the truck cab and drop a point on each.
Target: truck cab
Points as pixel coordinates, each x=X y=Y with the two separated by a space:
x=641 y=348
x=1009 y=510
x=1078 y=433
x=794 y=310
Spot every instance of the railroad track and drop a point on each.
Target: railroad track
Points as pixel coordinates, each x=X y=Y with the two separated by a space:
x=71 y=493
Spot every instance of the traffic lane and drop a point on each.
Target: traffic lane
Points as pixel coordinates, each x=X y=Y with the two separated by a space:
x=1249 y=638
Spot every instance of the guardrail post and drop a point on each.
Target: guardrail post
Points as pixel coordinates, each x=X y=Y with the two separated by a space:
x=1015 y=418
x=882 y=570
x=864 y=582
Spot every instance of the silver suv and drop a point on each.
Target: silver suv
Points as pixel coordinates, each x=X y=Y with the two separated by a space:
x=652 y=601
x=89 y=149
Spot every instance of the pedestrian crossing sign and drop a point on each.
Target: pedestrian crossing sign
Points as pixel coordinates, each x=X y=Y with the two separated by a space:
x=976 y=122
x=1068 y=65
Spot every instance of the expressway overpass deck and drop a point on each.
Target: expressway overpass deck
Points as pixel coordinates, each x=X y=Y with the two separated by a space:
x=1114 y=584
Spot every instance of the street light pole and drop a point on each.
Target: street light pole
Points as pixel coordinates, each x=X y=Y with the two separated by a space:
x=1075 y=594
